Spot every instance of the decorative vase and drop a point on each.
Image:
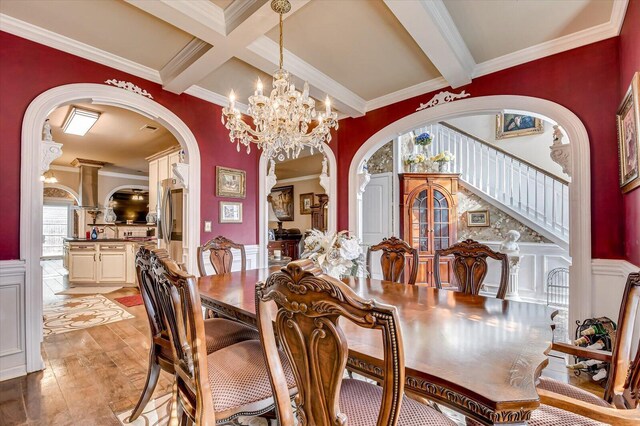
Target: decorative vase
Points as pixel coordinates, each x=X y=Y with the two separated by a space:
x=443 y=166
x=109 y=216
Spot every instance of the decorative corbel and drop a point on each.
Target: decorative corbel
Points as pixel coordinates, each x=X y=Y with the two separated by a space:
x=271 y=180
x=561 y=153
x=181 y=173
x=50 y=151
x=325 y=181
x=363 y=179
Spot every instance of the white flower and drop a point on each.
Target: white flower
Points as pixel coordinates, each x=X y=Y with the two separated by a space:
x=350 y=248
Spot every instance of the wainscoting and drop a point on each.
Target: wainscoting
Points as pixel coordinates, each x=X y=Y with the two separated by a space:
x=12 y=319
x=252 y=253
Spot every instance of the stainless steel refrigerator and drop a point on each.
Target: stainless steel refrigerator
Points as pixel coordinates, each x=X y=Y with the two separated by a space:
x=170 y=218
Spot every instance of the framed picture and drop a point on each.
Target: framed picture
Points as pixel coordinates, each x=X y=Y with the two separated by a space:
x=478 y=218
x=306 y=201
x=513 y=125
x=230 y=212
x=230 y=182
x=628 y=119
x=282 y=202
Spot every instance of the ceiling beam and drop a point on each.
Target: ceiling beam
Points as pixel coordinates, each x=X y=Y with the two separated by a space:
x=431 y=26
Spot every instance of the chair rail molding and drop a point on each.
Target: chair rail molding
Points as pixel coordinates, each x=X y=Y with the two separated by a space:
x=31 y=187
x=266 y=181
x=580 y=186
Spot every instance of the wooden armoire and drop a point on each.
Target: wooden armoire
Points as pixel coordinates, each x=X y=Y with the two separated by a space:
x=429 y=220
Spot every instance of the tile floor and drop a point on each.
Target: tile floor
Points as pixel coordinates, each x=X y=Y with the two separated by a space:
x=93 y=374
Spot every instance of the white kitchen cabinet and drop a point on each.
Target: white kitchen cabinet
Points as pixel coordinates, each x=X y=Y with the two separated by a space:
x=131 y=263
x=160 y=168
x=83 y=266
x=112 y=266
x=153 y=185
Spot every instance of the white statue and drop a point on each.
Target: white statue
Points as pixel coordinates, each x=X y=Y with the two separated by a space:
x=509 y=246
x=557 y=135
x=46 y=131
x=324 y=166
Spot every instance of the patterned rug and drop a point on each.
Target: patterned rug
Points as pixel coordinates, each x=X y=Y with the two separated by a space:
x=158 y=411
x=82 y=312
x=88 y=290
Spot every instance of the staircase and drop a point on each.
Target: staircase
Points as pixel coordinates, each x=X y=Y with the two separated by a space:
x=537 y=198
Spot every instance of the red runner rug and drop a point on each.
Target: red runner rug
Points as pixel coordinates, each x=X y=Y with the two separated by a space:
x=130 y=301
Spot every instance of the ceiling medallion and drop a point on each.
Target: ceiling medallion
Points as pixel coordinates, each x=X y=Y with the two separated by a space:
x=284 y=122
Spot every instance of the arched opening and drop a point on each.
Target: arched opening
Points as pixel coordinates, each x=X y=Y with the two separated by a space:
x=267 y=182
x=580 y=196
x=34 y=162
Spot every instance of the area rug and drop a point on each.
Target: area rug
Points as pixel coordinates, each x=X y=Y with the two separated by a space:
x=81 y=312
x=129 y=301
x=87 y=290
x=158 y=411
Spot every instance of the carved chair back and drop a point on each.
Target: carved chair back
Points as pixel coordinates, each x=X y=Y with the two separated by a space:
x=623 y=387
x=470 y=266
x=393 y=259
x=147 y=284
x=308 y=306
x=180 y=302
x=220 y=255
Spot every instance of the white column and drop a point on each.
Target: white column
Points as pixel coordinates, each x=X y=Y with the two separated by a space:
x=514 y=270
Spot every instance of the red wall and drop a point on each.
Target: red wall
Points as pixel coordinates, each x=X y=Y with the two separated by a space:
x=629 y=64
x=584 y=80
x=28 y=69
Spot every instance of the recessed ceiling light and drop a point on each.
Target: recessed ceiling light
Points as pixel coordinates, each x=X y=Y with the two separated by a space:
x=80 y=121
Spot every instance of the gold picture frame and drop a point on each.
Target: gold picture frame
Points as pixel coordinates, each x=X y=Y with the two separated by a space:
x=231 y=183
x=478 y=218
x=628 y=124
x=230 y=212
x=306 y=201
x=282 y=203
x=509 y=125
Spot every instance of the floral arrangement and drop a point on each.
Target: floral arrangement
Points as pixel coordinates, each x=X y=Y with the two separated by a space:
x=443 y=157
x=423 y=139
x=415 y=159
x=337 y=254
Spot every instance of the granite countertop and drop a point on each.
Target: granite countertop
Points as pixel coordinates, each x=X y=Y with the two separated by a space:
x=112 y=240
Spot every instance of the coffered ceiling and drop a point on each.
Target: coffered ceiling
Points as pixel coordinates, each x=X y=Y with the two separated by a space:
x=363 y=53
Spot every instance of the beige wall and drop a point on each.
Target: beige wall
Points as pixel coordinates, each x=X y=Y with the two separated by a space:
x=302 y=222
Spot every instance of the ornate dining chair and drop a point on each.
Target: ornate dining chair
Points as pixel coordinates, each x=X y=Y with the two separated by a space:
x=393 y=259
x=220 y=255
x=470 y=266
x=212 y=388
x=219 y=332
x=308 y=307
x=620 y=405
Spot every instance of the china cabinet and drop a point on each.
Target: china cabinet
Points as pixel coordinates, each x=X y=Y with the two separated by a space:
x=428 y=220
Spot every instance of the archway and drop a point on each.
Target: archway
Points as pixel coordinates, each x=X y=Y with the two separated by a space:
x=118 y=188
x=31 y=187
x=264 y=190
x=580 y=186
x=73 y=193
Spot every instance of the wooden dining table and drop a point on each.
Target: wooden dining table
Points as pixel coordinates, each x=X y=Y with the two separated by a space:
x=478 y=355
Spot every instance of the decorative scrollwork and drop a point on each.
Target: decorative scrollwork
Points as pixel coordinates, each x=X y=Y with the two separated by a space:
x=127 y=85
x=443 y=98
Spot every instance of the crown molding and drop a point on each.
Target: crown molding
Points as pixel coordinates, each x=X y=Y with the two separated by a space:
x=48 y=38
x=205 y=12
x=190 y=53
x=618 y=13
x=407 y=93
x=233 y=14
x=613 y=267
x=351 y=103
x=552 y=47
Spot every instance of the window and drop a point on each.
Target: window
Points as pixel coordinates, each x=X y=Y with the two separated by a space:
x=55 y=226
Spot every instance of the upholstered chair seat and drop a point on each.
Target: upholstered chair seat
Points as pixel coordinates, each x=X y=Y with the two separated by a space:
x=574 y=392
x=221 y=333
x=360 y=401
x=547 y=415
x=239 y=380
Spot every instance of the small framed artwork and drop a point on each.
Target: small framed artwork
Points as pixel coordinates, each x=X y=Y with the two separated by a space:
x=282 y=203
x=513 y=125
x=230 y=212
x=478 y=218
x=306 y=201
x=230 y=182
x=628 y=120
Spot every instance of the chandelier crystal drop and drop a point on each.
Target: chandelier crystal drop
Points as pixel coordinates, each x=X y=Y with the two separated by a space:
x=286 y=121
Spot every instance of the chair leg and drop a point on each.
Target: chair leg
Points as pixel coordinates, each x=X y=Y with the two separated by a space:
x=152 y=379
x=173 y=420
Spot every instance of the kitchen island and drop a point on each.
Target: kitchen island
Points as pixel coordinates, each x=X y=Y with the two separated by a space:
x=102 y=261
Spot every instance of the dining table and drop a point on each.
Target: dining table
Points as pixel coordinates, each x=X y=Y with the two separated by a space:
x=477 y=355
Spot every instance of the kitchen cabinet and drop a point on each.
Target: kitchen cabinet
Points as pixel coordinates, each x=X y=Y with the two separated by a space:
x=112 y=263
x=160 y=168
x=101 y=262
x=82 y=266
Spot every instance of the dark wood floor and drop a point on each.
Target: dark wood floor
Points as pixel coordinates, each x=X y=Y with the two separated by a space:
x=93 y=374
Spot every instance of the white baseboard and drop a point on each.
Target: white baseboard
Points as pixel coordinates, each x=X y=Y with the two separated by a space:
x=13 y=372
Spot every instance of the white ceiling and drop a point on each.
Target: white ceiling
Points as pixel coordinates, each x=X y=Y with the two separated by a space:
x=116 y=139
x=363 y=53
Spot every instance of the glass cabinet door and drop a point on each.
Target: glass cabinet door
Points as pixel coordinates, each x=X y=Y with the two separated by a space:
x=441 y=232
x=420 y=222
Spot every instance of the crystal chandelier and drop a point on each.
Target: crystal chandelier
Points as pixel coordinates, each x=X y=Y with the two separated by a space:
x=285 y=121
